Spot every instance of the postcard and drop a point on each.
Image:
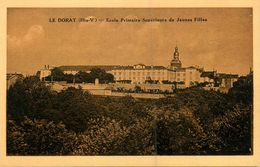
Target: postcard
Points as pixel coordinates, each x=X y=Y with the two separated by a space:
x=129 y=85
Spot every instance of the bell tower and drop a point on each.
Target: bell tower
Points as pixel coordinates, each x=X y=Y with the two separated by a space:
x=175 y=63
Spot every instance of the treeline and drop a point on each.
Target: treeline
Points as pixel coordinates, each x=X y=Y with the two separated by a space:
x=80 y=77
x=73 y=122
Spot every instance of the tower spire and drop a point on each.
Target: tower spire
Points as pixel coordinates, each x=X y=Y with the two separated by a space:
x=175 y=63
x=176 y=53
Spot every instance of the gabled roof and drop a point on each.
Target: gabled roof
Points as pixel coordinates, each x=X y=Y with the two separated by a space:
x=140 y=64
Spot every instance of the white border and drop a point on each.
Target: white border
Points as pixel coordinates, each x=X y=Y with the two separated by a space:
x=129 y=160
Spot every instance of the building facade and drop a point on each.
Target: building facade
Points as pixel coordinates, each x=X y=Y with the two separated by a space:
x=45 y=72
x=140 y=73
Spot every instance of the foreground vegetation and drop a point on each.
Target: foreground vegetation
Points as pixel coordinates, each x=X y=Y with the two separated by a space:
x=73 y=122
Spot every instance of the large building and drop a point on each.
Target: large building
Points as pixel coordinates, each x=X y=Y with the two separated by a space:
x=140 y=73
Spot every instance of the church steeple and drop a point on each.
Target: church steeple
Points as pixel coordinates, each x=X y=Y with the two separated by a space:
x=175 y=63
x=176 y=54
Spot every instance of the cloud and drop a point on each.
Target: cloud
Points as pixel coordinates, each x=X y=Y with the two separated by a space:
x=34 y=33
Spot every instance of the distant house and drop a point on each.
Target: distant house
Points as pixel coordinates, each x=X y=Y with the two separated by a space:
x=45 y=72
x=227 y=81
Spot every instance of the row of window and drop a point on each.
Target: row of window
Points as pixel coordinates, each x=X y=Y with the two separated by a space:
x=139 y=78
x=139 y=73
x=146 y=78
x=143 y=78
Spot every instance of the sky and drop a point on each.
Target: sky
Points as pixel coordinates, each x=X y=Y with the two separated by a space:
x=224 y=42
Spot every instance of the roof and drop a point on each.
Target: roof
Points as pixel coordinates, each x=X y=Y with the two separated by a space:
x=14 y=75
x=180 y=69
x=141 y=64
x=209 y=74
x=87 y=67
x=223 y=75
x=192 y=67
x=146 y=68
x=108 y=67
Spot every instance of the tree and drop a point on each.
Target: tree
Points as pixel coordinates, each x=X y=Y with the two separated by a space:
x=235 y=130
x=39 y=137
x=104 y=137
x=242 y=91
x=57 y=74
x=82 y=76
x=77 y=107
x=101 y=75
x=109 y=78
x=179 y=133
x=28 y=97
x=137 y=89
x=69 y=78
x=192 y=122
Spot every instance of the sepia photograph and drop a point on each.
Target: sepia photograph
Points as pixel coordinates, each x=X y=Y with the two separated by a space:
x=129 y=81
